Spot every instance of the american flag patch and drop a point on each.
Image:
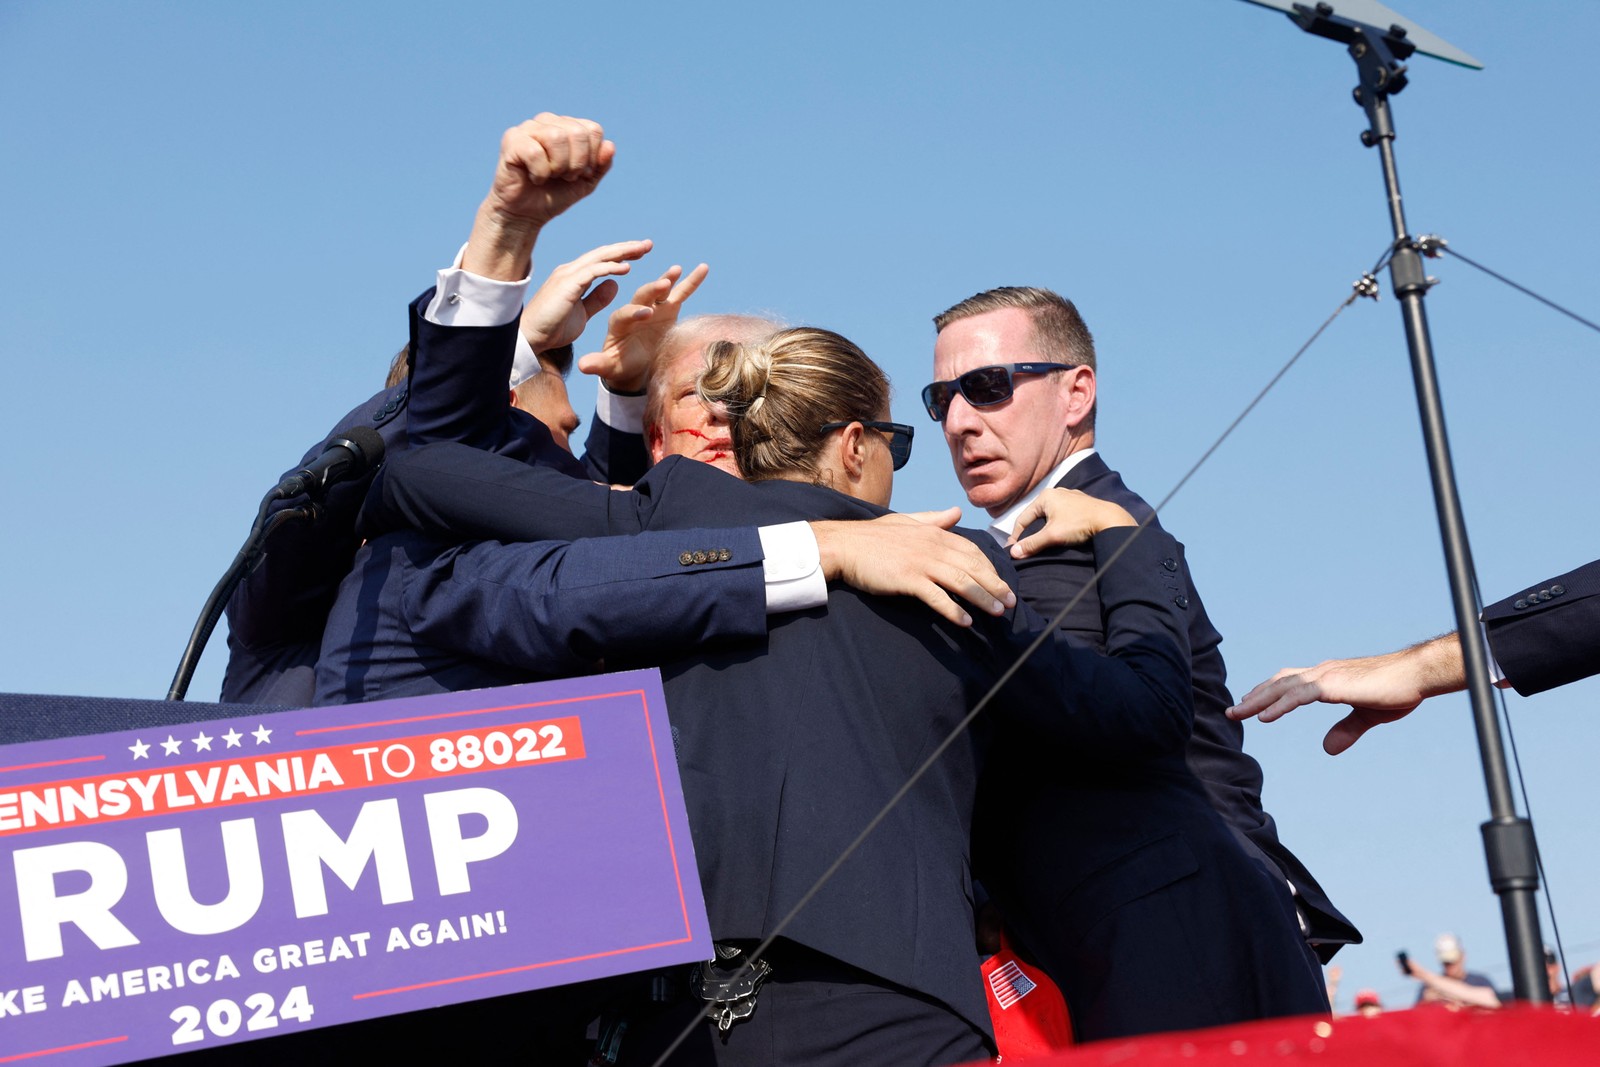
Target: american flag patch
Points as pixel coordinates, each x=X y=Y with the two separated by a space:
x=1010 y=984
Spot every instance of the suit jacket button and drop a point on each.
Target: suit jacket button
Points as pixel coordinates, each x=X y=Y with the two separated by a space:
x=1544 y=594
x=699 y=557
x=1557 y=590
x=686 y=559
x=1170 y=564
x=1520 y=604
x=723 y=555
x=1182 y=601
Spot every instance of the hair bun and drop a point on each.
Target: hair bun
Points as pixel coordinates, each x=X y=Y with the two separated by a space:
x=736 y=378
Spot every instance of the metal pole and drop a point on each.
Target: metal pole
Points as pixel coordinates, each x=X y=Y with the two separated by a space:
x=1508 y=838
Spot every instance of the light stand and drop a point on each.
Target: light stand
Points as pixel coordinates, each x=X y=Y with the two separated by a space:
x=1507 y=837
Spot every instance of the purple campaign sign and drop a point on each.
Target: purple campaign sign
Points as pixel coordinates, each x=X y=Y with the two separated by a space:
x=193 y=885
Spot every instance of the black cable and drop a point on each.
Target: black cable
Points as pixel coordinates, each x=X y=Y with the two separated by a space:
x=1046 y=633
x=1383 y=260
x=1443 y=247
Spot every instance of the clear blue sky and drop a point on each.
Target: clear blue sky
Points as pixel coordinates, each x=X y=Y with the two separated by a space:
x=213 y=215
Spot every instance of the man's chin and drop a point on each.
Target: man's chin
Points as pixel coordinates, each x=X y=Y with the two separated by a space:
x=985 y=494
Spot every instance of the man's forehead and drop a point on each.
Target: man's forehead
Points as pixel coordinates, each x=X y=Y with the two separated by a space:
x=1002 y=336
x=686 y=364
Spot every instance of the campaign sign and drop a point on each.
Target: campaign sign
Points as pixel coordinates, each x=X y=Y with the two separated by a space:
x=187 y=886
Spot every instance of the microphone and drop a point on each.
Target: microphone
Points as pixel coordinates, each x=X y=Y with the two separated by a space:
x=347 y=457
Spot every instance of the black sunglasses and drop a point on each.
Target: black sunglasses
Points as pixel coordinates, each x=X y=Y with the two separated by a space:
x=983 y=386
x=899 y=437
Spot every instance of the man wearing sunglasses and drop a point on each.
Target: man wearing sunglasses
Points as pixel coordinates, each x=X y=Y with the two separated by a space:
x=1096 y=867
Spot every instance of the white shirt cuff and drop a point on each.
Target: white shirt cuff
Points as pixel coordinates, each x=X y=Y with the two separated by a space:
x=626 y=414
x=464 y=299
x=526 y=362
x=793 y=568
x=1497 y=676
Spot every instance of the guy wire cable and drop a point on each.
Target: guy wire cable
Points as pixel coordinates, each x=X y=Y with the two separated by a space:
x=1431 y=246
x=1367 y=286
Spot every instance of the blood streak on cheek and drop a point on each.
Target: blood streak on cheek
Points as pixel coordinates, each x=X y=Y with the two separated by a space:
x=693 y=433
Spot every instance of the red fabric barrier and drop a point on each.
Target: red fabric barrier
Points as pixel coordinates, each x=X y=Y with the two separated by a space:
x=1422 y=1037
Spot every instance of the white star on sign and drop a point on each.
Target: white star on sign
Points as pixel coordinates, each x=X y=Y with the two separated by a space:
x=202 y=743
x=232 y=737
x=139 y=749
x=172 y=745
x=263 y=735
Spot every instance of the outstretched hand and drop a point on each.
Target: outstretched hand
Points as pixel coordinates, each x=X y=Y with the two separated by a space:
x=564 y=304
x=635 y=330
x=1071 y=518
x=1379 y=689
x=914 y=555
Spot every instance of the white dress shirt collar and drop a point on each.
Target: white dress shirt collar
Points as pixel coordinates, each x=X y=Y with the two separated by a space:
x=1001 y=525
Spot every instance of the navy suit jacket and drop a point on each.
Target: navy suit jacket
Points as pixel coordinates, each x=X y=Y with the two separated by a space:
x=789 y=747
x=1549 y=634
x=1232 y=780
x=456 y=390
x=1124 y=880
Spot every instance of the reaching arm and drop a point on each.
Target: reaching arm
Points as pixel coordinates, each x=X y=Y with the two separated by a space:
x=555 y=608
x=1454 y=990
x=552 y=607
x=1380 y=689
x=455 y=493
x=914 y=555
x=464 y=335
x=1540 y=638
x=546 y=165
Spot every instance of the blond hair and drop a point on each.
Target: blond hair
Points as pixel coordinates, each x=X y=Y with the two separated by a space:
x=689 y=334
x=778 y=393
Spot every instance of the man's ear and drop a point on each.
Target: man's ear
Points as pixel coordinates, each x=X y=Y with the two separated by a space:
x=1078 y=392
x=655 y=442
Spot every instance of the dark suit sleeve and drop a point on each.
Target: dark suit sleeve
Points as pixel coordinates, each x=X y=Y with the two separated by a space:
x=1134 y=701
x=613 y=456
x=458 y=380
x=557 y=608
x=1549 y=634
x=453 y=492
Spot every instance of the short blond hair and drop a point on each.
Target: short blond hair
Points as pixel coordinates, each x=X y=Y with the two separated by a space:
x=1058 y=329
